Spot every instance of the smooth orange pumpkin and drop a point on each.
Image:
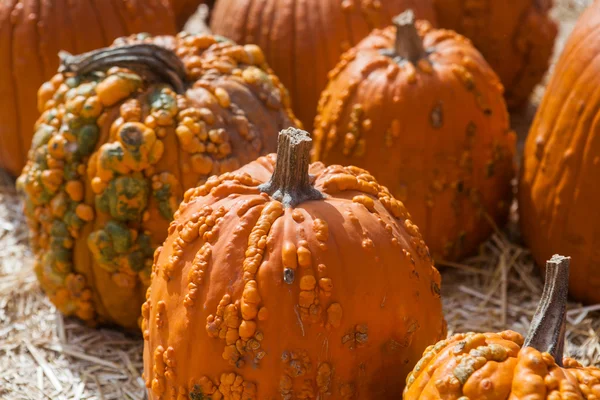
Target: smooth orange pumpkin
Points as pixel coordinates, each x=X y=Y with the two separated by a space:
x=123 y=132
x=516 y=37
x=558 y=187
x=304 y=39
x=284 y=280
x=32 y=32
x=421 y=109
x=506 y=366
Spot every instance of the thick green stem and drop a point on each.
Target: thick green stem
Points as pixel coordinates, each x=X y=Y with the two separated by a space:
x=547 y=330
x=290 y=182
x=144 y=58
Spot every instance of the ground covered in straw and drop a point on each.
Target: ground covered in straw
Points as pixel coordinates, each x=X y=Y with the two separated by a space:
x=45 y=356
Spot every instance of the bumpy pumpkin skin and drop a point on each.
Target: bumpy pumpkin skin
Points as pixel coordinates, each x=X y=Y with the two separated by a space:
x=558 y=187
x=113 y=154
x=32 y=32
x=224 y=319
x=516 y=37
x=434 y=131
x=505 y=365
x=495 y=366
x=304 y=39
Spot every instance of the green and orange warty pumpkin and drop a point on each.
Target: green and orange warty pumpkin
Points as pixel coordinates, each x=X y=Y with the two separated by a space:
x=559 y=192
x=421 y=110
x=516 y=37
x=506 y=366
x=32 y=32
x=124 y=131
x=304 y=39
x=289 y=280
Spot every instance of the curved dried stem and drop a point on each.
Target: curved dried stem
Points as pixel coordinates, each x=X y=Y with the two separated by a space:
x=148 y=59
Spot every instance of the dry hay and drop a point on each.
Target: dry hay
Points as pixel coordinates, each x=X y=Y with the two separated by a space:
x=45 y=356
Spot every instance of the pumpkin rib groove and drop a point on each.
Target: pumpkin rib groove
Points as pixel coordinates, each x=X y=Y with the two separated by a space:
x=557 y=117
x=245 y=18
x=271 y=19
x=39 y=38
x=15 y=80
x=120 y=18
x=348 y=23
x=102 y=29
x=6 y=139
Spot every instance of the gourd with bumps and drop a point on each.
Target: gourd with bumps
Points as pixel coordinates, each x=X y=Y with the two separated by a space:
x=304 y=39
x=289 y=280
x=32 y=32
x=558 y=185
x=124 y=131
x=421 y=109
x=506 y=366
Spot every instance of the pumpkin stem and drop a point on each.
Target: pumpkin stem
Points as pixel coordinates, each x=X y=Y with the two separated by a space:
x=290 y=182
x=144 y=58
x=409 y=45
x=547 y=330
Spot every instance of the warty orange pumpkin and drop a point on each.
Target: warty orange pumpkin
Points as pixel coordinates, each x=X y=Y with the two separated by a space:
x=289 y=280
x=421 y=109
x=506 y=366
x=304 y=39
x=515 y=37
x=123 y=132
x=32 y=32
x=558 y=186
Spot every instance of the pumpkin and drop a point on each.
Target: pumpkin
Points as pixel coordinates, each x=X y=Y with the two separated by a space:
x=421 y=109
x=289 y=280
x=304 y=39
x=32 y=32
x=558 y=181
x=506 y=366
x=515 y=37
x=123 y=132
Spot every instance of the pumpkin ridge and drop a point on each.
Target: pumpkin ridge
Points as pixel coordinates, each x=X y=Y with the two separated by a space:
x=96 y=13
x=38 y=39
x=13 y=81
x=122 y=19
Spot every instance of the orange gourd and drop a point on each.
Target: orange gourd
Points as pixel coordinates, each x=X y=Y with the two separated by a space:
x=558 y=187
x=289 y=280
x=304 y=39
x=124 y=131
x=506 y=366
x=516 y=37
x=421 y=109
x=32 y=32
